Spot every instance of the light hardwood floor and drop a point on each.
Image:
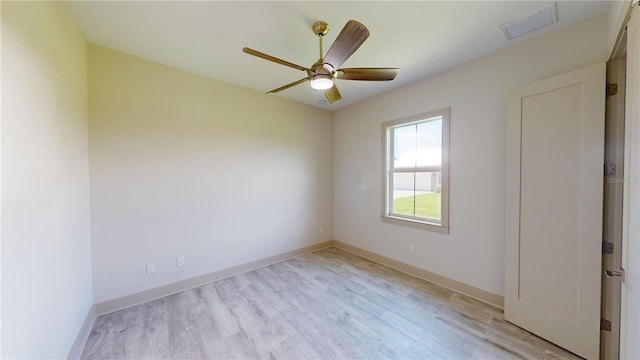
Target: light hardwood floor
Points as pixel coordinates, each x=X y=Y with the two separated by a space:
x=327 y=305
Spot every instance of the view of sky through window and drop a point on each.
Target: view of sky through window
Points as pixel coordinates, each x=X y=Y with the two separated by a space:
x=418 y=144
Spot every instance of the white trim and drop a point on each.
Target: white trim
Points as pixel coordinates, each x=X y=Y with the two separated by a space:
x=619 y=15
x=176 y=287
x=433 y=168
x=441 y=226
x=83 y=335
x=485 y=296
x=135 y=299
x=418 y=224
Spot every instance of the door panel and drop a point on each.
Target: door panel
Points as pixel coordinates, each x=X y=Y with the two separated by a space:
x=550 y=178
x=554 y=208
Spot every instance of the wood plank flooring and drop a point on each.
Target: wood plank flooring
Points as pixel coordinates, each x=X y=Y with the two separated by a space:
x=327 y=305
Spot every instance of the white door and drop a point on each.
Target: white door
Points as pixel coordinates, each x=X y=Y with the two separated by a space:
x=555 y=156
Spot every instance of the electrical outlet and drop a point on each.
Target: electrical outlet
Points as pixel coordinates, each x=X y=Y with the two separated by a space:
x=412 y=249
x=180 y=261
x=321 y=230
x=151 y=268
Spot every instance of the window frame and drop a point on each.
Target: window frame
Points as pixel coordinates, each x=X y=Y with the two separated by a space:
x=387 y=163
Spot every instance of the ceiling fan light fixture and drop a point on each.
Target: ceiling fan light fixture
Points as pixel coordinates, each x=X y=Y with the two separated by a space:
x=321 y=82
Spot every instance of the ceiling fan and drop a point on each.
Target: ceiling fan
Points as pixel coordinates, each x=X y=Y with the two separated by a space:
x=323 y=72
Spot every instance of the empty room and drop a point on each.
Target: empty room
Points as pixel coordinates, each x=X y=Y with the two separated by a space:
x=320 y=180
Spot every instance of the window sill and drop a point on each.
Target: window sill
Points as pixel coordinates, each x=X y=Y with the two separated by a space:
x=415 y=224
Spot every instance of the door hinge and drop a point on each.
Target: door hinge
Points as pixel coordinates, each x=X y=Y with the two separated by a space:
x=605 y=325
x=609 y=169
x=612 y=89
x=607 y=247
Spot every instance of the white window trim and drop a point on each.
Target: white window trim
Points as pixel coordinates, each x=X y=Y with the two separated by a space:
x=420 y=223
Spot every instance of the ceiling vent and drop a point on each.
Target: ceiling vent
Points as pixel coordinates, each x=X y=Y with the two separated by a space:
x=534 y=21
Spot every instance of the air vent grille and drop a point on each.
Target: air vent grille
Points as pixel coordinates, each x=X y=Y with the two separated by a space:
x=534 y=21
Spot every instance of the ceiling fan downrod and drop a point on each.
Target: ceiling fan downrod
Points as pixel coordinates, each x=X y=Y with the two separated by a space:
x=320 y=29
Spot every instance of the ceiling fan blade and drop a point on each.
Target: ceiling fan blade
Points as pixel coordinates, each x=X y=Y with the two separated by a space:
x=274 y=59
x=367 y=74
x=332 y=94
x=289 y=85
x=348 y=41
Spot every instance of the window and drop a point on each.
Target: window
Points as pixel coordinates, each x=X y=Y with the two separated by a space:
x=416 y=171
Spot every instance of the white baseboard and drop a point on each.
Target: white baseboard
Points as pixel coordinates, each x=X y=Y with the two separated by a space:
x=83 y=334
x=156 y=293
x=170 y=289
x=457 y=286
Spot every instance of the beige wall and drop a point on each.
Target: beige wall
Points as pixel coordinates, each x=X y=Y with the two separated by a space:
x=473 y=252
x=46 y=256
x=182 y=165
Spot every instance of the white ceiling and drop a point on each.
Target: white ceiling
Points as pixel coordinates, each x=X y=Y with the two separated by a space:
x=206 y=37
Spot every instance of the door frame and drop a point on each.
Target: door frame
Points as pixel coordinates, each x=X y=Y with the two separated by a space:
x=612 y=207
x=630 y=297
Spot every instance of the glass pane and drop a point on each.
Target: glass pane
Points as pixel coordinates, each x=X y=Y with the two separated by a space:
x=403 y=193
x=428 y=199
x=429 y=143
x=404 y=146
